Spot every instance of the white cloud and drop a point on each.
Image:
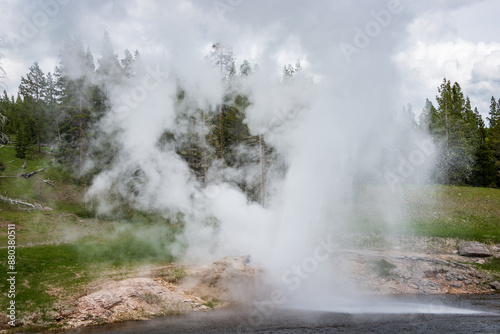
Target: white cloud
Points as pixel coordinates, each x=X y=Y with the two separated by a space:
x=451 y=40
x=475 y=66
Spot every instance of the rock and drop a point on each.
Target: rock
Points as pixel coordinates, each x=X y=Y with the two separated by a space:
x=468 y=282
x=429 y=274
x=473 y=249
x=108 y=301
x=475 y=281
x=439 y=276
x=495 y=285
x=456 y=285
x=204 y=308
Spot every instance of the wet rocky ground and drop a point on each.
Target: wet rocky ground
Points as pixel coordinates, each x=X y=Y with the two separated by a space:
x=378 y=266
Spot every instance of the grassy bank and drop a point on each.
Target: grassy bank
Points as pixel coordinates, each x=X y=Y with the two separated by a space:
x=60 y=251
x=457 y=212
x=433 y=211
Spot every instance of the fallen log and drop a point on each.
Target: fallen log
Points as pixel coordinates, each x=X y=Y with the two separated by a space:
x=49 y=182
x=28 y=175
x=34 y=206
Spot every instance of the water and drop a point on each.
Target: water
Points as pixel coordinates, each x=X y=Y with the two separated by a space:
x=418 y=314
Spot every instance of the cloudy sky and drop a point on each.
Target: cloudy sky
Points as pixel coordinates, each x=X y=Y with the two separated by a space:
x=419 y=43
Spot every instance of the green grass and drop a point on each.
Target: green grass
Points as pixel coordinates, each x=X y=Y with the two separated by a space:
x=48 y=274
x=171 y=275
x=492 y=264
x=45 y=274
x=457 y=212
x=210 y=302
x=433 y=211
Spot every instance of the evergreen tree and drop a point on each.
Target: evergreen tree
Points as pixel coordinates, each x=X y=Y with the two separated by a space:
x=494 y=115
x=82 y=101
x=4 y=109
x=245 y=68
x=429 y=118
x=26 y=139
x=128 y=64
x=451 y=126
x=3 y=137
x=109 y=70
x=33 y=88
x=484 y=172
x=493 y=136
x=52 y=107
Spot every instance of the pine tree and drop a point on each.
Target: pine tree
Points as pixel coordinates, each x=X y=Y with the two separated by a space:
x=484 y=172
x=493 y=136
x=245 y=68
x=81 y=100
x=128 y=64
x=429 y=118
x=52 y=107
x=109 y=70
x=494 y=115
x=3 y=137
x=4 y=109
x=33 y=88
x=451 y=125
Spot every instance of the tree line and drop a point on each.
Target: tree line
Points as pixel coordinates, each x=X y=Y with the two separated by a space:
x=469 y=149
x=61 y=110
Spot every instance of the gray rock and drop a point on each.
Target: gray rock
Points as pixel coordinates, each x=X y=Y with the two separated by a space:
x=108 y=301
x=467 y=282
x=495 y=285
x=456 y=285
x=473 y=249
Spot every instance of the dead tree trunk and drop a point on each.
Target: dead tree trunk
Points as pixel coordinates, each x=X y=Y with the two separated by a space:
x=28 y=175
x=34 y=206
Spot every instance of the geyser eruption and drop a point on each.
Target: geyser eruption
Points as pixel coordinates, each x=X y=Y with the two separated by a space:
x=334 y=124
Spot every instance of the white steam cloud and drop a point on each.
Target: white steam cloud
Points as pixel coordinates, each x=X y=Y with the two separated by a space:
x=335 y=126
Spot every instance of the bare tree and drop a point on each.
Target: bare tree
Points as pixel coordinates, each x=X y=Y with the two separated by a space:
x=223 y=57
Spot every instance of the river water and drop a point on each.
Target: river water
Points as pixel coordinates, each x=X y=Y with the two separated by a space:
x=418 y=314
